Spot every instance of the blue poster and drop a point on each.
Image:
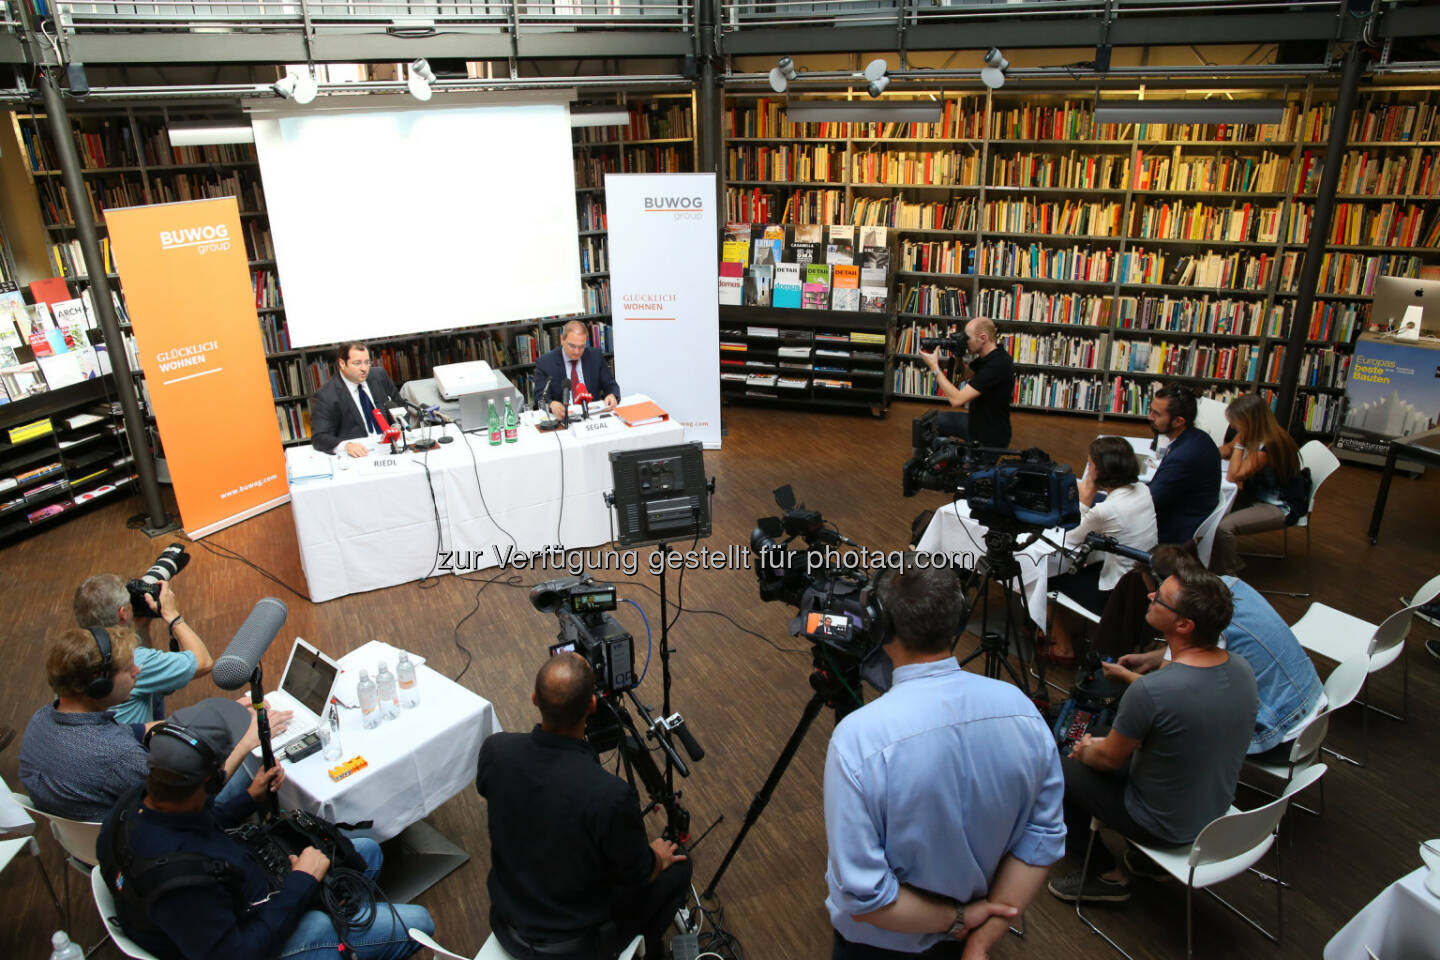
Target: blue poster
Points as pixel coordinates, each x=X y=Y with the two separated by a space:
x=1393 y=390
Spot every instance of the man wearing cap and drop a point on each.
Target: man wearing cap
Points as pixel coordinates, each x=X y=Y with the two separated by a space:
x=237 y=916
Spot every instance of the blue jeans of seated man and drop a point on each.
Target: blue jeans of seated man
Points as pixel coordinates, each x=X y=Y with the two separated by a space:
x=315 y=938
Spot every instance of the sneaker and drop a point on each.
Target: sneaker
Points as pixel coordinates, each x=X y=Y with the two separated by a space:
x=1072 y=887
x=1141 y=865
x=1430 y=613
x=1431 y=645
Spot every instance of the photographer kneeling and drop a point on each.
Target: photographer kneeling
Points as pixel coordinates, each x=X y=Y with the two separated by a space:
x=184 y=887
x=571 y=873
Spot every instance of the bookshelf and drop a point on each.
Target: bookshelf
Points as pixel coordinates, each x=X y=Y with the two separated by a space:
x=823 y=358
x=127 y=159
x=1113 y=256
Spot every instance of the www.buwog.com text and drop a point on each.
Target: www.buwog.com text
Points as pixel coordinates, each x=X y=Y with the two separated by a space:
x=735 y=557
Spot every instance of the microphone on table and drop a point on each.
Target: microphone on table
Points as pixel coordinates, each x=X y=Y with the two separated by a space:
x=390 y=432
x=582 y=397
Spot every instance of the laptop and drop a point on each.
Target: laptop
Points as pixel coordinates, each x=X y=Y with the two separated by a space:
x=305 y=689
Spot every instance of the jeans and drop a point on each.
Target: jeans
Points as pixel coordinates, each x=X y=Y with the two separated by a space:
x=315 y=937
x=1094 y=793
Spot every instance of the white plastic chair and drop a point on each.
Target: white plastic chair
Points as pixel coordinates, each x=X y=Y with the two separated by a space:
x=1205 y=533
x=492 y=950
x=76 y=837
x=1341 y=687
x=1210 y=417
x=1339 y=636
x=1228 y=846
x=105 y=903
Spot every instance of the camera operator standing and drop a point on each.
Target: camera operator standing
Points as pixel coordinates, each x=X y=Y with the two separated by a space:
x=572 y=875
x=942 y=797
x=990 y=381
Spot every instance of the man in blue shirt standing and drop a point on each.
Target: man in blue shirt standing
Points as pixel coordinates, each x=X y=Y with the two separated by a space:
x=1186 y=485
x=949 y=780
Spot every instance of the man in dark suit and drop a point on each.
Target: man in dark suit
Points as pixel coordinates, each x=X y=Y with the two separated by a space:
x=1186 y=485
x=572 y=363
x=341 y=410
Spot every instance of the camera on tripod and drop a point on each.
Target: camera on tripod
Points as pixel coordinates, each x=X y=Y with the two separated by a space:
x=1005 y=489
x=836 y=607
x=170 y=562
x=586 y=627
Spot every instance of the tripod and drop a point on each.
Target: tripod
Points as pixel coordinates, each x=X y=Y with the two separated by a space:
x=837 y=689
x=999 y=565
x=639 y=763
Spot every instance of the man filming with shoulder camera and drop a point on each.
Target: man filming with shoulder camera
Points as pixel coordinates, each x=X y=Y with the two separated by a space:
x=184 y=887
x=942 y=797
x=572 y=875
x=990 y=377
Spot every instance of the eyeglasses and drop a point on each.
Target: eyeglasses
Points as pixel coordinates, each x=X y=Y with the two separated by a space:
x=359 y=363
x=1155 y=598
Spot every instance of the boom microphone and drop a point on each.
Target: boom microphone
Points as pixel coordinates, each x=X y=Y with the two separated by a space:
x=234 y=667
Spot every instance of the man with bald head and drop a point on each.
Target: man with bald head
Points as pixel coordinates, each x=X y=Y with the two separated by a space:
x=989 y=383
x=571 y=873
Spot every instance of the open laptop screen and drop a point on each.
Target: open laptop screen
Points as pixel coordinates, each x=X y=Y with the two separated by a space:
x=308 y=678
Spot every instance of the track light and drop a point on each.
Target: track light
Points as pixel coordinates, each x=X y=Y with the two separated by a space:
x=300 y=87
x=876 y=75
x=993 y=73
x=781 y=74
x=421 y=76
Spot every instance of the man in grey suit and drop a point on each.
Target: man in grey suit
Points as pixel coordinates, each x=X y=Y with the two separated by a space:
x=340 y=411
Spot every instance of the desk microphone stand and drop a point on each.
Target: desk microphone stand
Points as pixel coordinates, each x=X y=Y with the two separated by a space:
x=262 y=726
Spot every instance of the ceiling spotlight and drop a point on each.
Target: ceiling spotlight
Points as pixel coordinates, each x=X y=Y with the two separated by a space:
x=876 y=76
x=300 y=87
x=993 y=73
x=781 y=74
x=421 y=76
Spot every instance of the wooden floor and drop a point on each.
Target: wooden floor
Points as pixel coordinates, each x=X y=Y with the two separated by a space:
x=743 y=695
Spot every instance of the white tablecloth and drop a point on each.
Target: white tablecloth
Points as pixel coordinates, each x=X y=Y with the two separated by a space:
x=371 y=526
x=416 y=762
x=1402 y=923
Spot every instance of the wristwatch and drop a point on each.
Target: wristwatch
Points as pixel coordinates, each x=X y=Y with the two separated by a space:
x=957 y=929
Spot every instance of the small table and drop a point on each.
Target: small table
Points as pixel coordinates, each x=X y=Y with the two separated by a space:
x=1402 y=923
x=1418 y=446
x=416 y=762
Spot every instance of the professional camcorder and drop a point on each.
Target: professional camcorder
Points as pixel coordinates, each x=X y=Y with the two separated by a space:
x=1005 y=489
x=170 y=562
x=833 y=596
x=956 y=343
x=586 y=628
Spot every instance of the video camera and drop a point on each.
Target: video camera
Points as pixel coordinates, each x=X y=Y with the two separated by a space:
x=956 y=343
x=835 y=602
x=586 y=627
x=170 y=562
x=1005 y=489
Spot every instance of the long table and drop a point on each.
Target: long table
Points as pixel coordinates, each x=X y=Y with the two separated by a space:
x=383 y=520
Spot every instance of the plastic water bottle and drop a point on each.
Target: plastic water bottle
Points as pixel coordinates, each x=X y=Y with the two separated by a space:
x=331 y=735
x=369 y=701
x=389 y=696
x=495 y=430
x=512 y=425
x=63 y=949
x=409 y=687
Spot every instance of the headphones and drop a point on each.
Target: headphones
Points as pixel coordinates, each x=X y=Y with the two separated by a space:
x=103 y=681
x=884 y=629
x=214 y=764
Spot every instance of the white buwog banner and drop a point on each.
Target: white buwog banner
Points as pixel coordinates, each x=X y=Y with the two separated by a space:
x=664 y=295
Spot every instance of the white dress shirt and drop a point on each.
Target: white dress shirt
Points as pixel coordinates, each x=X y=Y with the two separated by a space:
x=1127 y=514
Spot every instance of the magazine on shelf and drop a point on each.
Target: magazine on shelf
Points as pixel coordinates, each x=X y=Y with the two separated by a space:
x=787 y=285
x=731 y=275
x=840 y=245
x=736 y=251
x=767 y=251
x=759 y=281
x=738 y=232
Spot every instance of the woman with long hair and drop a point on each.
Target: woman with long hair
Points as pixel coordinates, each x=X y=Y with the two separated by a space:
x=1263 y=461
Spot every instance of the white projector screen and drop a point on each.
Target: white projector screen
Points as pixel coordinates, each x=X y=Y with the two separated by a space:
x=388 y=223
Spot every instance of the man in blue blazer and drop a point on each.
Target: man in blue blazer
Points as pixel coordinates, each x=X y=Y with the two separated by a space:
x=1186 y=485
x=572 y=363
x=338 y=410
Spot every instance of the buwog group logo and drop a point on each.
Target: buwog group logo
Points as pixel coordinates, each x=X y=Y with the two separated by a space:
x=681 y=208
x=210 y=238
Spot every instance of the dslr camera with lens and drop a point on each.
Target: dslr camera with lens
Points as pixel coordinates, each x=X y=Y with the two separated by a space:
x=170 y=562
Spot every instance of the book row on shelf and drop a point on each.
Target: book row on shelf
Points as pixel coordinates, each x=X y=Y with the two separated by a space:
x=1206 y=360
x=56 y=205
x=591 y=212
x=1415 y=172
x=1230 y=173
x=69 y=262
x=594 y=257
x=1052 y=350
x=590 y=169
x=960 y=119
x=110 y=142
x=1070 y=170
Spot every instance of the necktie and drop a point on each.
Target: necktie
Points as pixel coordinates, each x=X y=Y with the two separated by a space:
x=574 y=377
x=369 y=408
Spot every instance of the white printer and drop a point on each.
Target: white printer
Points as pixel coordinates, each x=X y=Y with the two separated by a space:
x=473 y=385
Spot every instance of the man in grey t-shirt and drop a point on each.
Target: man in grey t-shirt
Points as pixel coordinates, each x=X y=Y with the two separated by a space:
x=1170 y=763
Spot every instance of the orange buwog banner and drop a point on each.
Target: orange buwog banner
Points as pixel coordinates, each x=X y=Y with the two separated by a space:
x=192 y=310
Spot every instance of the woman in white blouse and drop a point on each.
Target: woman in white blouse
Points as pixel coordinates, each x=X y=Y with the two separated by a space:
x=1126 y=513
